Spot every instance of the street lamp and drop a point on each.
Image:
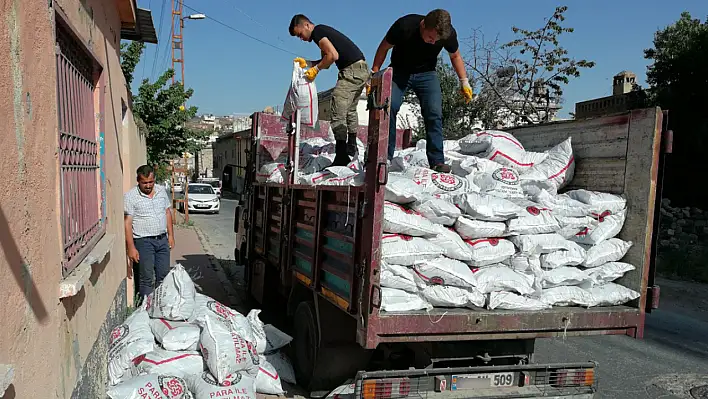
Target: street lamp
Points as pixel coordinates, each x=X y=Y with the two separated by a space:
x=195 y=16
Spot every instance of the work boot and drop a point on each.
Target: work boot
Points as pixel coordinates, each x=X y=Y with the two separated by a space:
x=341 y=158
x=351 y=145
x=442 y=168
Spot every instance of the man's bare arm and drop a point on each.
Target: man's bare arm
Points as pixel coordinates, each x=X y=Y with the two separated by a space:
x=380 y=56
x=458 y=64
x=329 y=54
x=170 y=228
x=129 y=242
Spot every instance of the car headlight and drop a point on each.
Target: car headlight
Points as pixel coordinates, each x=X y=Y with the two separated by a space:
x=215 y=200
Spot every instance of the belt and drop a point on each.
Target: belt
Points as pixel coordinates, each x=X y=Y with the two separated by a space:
x=157 y=237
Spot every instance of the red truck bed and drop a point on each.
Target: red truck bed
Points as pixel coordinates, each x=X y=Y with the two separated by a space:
x=328 y=238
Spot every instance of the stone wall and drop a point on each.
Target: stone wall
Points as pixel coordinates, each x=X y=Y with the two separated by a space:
x=682 y=227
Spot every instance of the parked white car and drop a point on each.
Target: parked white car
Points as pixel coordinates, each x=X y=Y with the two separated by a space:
x=201 y=197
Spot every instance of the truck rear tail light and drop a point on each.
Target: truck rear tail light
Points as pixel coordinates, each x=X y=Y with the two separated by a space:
x=573 y=378
x=386 y=388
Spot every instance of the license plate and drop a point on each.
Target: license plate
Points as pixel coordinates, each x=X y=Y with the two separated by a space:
x=201 y=206
x=497 y=379
x=478 y=381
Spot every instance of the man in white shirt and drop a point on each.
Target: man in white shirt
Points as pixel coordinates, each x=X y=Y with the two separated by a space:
x=148 y=230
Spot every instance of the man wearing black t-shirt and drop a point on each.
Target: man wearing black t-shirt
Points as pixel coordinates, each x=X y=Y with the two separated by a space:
x=416 y=41
x=353 y=75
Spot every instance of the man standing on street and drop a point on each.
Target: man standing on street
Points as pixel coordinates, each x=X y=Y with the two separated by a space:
x=352 y=77
x=148 y=230
x=417 y=41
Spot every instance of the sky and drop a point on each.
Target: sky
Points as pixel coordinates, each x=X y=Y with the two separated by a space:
x=232 y=74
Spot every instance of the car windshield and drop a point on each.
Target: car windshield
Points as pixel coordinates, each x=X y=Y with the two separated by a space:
x=215 y=184
x=200 y=189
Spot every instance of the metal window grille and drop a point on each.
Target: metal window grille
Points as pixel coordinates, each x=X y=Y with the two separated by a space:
x=81 y=211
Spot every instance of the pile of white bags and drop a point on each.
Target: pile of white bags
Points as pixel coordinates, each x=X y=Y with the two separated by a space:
x=496 y=233
x=181 y=344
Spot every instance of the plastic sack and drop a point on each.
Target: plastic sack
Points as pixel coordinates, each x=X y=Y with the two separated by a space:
x=343 y=176
x=502 y=183
x=151 y=386
x=566 y=296
x=397 y=249
x=543 y=243
x=610 y=250
x=162 y=362
x=439 y=183
x=611 y=294
x=607 y=226
x=235 y=386
x=444 y=271
x=207 y=306
x=311 y=163
x=129 y=340
x=573 y=223
x=511 y=301
x=472 y=165
x=401 y=189
x=437 y=210
x=316 y=146
x=282 y=365
x=400 y=220
x=563 y=257
x=399 y=277
x=533 y=220
x=607 y=273
x=561 y=204
x=561 y=276
x=488 y=251
x=224 y=351
x=267 y=379
x=478 y=142
x=452 y=244
x=523 y=262
x=487 y=207
x=500 y=147
x=393 y=300
x=599 y=202
x=273 y=172
x=275 y=338
x=558 y=168
x=175 y=335
x=471 y=229
x=174 y=298
x=502 y=278
x=302 y=95
x=452 y=297
x=259 y=335
x=411 y=159
x=314 y=178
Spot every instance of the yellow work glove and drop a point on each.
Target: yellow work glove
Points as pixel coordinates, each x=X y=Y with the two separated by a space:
x=368 y=88
x=466 y=90
x=311 y=73
x=300 y=61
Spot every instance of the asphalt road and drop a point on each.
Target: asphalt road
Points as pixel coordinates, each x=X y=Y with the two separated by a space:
x=670 y=360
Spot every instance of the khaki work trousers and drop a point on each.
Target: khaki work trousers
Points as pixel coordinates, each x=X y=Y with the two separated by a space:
x=345 y=97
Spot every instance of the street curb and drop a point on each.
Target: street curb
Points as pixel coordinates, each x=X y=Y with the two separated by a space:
x=233 y=295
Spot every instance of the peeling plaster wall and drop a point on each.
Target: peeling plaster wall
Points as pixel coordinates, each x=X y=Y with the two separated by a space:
x=51 y=342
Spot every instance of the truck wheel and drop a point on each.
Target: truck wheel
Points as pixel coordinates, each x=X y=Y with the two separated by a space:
x=306 y=342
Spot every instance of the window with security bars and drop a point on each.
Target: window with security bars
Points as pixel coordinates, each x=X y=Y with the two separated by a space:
x=81 y=210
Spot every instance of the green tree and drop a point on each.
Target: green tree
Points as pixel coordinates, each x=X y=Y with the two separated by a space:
x=678 y=82
x=130 y=56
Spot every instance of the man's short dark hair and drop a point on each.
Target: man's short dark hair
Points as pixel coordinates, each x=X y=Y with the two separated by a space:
x=145 y=171
x=297 y=20
x=441 y=21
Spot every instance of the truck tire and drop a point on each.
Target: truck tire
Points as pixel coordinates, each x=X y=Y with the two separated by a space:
x=306 y=342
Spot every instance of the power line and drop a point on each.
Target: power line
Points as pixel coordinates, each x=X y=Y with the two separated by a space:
x=255 y=21
x=241 y=32
x=159 y=33
x=144 y=63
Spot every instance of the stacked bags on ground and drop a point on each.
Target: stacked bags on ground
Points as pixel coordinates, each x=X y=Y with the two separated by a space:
x=496 y=233
x=185 y=345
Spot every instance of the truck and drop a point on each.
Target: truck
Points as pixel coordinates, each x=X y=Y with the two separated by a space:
x=313 y=253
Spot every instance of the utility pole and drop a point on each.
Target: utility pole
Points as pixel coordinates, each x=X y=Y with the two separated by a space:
x=177 y=42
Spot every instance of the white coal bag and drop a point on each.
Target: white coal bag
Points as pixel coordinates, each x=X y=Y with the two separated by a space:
x=543 y=243
x=479 y=142
x=129 y=340
x=611 y=294
x=439 y=183
x=239 y=385
x=489 y=251
x=561 y=204
x=503 y=278
x=487 y=207
x=175 y=335
x=397 y=249
x=268 y=380
x=608 y=225
x=282 y=365
x=400 y=220
x=174 y=298
x=608 y=272
x=563 y=257
x=302 y=95
x=566 y=296
x=471 y=165
x=453 y=245
x=260 y=340
x=276 y=339
x=452 y=297
x=316 y=146
x=599 y=202
x=273 y=172
x=224 y=351
x=610 y=250
x=399 y=277
x=401 y=189
x=471 y=229
x=558 y=168
x=437 y=210
x=502 y=182
x=207 y=306
x=511 y=301
x=444 y=271
x=522 y=262
x=572 y=224
x=162 y=362
x=533 y=220
x=393 y=300
x=343 y=176
x=311 y=163
x=314 y=179
x=561 y=276
x=151 y=386
x=411 y=159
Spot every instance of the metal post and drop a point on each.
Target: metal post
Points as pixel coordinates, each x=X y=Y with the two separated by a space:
x=297 y=147
x=172 y=190
x=186 y=189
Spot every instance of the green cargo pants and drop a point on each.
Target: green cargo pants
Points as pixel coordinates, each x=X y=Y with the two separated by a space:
x=345 y=97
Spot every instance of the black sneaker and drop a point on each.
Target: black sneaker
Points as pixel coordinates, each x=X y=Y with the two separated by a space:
x=442 y=168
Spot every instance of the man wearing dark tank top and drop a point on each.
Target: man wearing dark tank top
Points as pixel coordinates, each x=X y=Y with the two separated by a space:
x=416 y=41
x=353 y=74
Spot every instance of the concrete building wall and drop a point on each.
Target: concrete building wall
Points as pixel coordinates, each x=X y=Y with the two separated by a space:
x=57 y=346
